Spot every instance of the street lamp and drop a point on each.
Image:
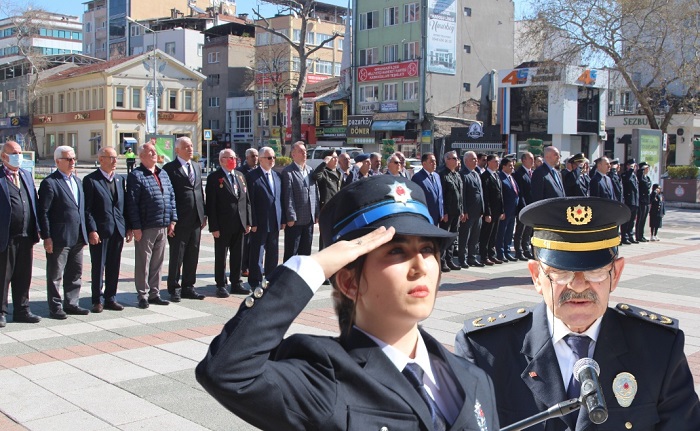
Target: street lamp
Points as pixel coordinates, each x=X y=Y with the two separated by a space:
x=151 y=102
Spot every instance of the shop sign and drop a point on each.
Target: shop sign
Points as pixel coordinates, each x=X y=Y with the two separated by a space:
x=389 y=107
x=402 y=70
x=360 y=126
x=331 y=132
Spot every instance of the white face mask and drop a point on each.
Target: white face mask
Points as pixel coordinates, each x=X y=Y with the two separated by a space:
x=14 y=160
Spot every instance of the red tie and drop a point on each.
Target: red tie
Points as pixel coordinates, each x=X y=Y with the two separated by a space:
x=515 y=186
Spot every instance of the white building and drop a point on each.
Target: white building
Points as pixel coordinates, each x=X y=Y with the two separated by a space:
x=57 y=34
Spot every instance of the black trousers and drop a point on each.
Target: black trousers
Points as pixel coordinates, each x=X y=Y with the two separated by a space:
x=487 y=238
x=469 y=232
x=522 y=237
x=64 y=265
x=262 y=244
x=230 y=243
x=642 y=214
x=184 y=253
x=298 y=240
x=451 y=225
x=106 y=258
x=628 y=227
x=16 y=272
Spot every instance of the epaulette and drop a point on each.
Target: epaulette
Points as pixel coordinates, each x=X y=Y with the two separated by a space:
x=496 y=319
x=647 y=316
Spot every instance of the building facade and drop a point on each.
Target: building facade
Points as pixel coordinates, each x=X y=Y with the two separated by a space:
x=101 y=105
x=53 y=34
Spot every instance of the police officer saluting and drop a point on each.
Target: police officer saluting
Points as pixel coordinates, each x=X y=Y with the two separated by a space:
x=530 y=354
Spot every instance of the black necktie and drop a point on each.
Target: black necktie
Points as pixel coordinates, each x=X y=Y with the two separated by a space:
x=414 y=374
x=233 y=184
x=190 y=173
x=579 y=345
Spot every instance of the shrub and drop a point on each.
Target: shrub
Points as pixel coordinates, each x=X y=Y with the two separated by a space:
x=683 y=172
x=283 y=161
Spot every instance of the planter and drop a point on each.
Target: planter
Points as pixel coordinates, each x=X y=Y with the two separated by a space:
x=681 y=190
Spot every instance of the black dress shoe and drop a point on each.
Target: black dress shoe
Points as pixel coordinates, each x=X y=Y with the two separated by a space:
x=498 y=260
x=238 y=289
x=76 y=310
x=528 y=255
x=453 y=267
x=464 y=265
x=3 y=321
x=190 y=293
x=634 y=241
x=625 y=241
x=58 y=314
x=520 y=257
x=158 y=301
x=510 y=258
x=174 y=295
x=143 y=303
x=221 y=292
x=642 y=239
x=476 y=263
x=27 y=317
x=113 y=305
x=444 y=268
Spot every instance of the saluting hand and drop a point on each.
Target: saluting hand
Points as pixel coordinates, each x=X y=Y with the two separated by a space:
x=336 y=256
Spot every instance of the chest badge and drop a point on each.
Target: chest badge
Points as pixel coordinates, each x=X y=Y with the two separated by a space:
x=480 y=417
x=624 y=388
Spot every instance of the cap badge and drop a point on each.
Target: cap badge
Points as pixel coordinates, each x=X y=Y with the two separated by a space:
x=579 y=215
x=399 y=192
x=625 y=388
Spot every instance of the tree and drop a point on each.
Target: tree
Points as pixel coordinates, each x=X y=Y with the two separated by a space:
x=304 y=10
x=653 y=44
x=272 y=73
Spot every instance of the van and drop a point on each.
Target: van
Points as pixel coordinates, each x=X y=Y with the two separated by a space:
x=314 y=155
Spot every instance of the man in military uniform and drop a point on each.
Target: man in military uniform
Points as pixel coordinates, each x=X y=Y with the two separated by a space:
x=616 y=180
x=630 y=194
x=530 y=354
x=644 y=183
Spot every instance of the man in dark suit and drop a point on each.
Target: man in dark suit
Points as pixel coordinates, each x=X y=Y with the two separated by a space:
x=301 y=204
x=451 y=183
x=251 y=162
x=530 y=355
x=429 y=181
x=546 y=181
x=616 y=180
x=186 y=177
x=61 y=213
x=104 y=215
x=265 y=194
x=511 y=205
x=19 y=231
x=644 y=183
x=630 y=193
x=473 y=202
x=493 y=211
x=572 y=178
x=329 y=179
x=523 y=178
x=601 y=184
x=228 y=209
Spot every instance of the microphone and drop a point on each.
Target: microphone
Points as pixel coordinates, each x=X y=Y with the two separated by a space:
x=586 y=371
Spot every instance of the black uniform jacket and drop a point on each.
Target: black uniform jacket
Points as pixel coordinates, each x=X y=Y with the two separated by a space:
x=520 y=358
x=323 y=383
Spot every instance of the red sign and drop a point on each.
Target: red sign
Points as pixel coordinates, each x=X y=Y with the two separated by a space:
x=405 y=69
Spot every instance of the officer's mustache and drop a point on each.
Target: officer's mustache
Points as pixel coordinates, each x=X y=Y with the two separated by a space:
x=569 y=295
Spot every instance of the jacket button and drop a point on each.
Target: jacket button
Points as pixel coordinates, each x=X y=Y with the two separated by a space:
x=628 y=425
x=249 y=301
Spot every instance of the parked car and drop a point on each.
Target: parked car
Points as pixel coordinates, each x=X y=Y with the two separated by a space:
x=314 y=155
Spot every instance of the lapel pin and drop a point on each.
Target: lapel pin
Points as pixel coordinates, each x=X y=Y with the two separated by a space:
x=624 y=388
x=532 y=374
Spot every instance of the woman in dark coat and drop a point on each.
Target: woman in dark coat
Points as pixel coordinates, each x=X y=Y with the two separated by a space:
x=657 y=211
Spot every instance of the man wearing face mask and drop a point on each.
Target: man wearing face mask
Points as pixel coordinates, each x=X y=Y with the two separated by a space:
x=19 y=231
x=644 y=375
x=228 y=209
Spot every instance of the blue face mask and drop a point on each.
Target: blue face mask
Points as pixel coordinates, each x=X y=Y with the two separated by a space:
x=14 y=160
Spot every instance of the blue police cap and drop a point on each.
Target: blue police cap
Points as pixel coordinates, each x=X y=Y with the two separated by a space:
x=575 y=233
x=361 y=157
x=380 y=200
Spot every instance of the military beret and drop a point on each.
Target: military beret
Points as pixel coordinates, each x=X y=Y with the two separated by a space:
x=361 y=157
x=575 y=233
x=380 y=200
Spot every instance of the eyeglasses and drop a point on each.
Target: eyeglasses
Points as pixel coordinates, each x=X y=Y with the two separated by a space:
x=452 y=158
x=563 y=278
x=395 y=162
x=69 y=159
x=268 y=157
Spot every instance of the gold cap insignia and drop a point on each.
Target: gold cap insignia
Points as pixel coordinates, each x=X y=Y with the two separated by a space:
x=579 y=215
x=624 y=388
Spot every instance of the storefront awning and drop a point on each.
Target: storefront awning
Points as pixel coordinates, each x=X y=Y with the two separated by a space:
x=387 y=126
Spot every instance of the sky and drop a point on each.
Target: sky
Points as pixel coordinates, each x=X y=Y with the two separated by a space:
x=76 y=7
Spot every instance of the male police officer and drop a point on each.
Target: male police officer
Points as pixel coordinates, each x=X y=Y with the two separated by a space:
x=530 y=355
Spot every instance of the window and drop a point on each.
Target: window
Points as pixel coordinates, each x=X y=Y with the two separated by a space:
x=411 y=12
x=87 y=99
x=88 y=48
x=11 y=95
x=324 y=67
x=336 y=69
x=135 y=30
x=467 y=11
x=391 y=53
x=213 y=57
x=275 y=119
x=369 y=20
x=369 y=56
x=339 y=43
x=94 y=98
x=101 y=95
x=119 y=98
x=200 y=48
x=213 y=102
x=310 y=65
x=244 y=122
x=188 y=100
x=467 y=49
x=369 y=93
x=391 y=16
x=88 y=27
x=262 y=119
x=61 y=102
x=391 y=92
x=262 y=39
x=296 y=64
x=214 y=124
x=296 y=35
x=276 y=38
x=72 y=139
x=172 y=100
x=320 y=37
x=410 y=50
x=213 y=79
x=311 y=38
x=135 y=98
x=95 y=142
x=170 y=48
x=410 y=90
x=81 y=99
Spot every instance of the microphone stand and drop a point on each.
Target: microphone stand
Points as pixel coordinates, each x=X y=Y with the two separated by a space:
x=556 y=411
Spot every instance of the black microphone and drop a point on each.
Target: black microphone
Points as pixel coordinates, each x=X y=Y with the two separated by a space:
x=586 y=371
